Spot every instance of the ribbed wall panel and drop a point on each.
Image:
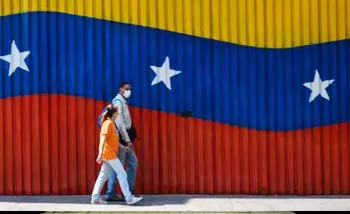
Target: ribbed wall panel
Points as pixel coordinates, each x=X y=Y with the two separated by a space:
x=237 y=120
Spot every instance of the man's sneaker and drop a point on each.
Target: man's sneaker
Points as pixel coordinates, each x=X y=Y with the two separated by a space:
x=98 y=201
x=133 y=200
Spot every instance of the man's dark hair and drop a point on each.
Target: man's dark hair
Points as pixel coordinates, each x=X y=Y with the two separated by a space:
x=122 y=84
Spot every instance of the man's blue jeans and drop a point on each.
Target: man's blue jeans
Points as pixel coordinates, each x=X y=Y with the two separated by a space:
x=129 y=157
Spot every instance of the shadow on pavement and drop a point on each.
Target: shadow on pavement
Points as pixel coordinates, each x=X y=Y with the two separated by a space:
x=148 y=200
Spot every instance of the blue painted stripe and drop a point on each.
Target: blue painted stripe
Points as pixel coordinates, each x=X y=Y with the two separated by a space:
x=245 y=86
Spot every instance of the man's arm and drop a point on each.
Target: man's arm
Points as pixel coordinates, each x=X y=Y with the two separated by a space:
x=121 y=124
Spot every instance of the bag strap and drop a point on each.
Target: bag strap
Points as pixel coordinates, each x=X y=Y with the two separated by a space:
x=122 y=110
x=120 y=102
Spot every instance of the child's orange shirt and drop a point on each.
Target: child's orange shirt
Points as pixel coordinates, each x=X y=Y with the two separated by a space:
x=110 y=149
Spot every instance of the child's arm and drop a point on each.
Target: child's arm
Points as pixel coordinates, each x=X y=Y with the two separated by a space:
x=100 y=149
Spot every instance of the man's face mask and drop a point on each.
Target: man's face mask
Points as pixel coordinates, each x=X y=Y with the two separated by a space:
x=127 y=93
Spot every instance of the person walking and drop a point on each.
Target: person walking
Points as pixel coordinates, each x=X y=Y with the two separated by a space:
x=127 y=134
x=107 y=156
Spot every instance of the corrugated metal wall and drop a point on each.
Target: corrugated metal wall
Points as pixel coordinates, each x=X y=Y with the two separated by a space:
x=237 y=120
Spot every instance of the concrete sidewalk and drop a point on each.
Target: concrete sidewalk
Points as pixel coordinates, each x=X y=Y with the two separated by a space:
x=179 y=203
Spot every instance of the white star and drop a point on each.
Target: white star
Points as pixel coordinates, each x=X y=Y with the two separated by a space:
x=16 y=59
x=318 y=87
x=164 y=73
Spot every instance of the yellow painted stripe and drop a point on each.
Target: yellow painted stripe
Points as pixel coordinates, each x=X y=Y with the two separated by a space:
x=259 y=23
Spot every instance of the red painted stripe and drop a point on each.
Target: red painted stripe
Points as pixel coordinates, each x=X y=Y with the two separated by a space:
x=144 y=145
x=290 y=153
x=326 y=139
x=27 y=152
x=272 y=160
x=245 y=161
x=227 y=164
x=190 y=157
x=317 y=187
x=10 y=154
x=173 y=155
x=308 y=165
x=62 y=143
x=209 y=159
x=182 y=151
x=155 y=144
x=17 y=147
x=81 y=147
x=263 y=163
x=140 y=152
x=45 y=144
x=72 y=144
x=236 y=171
x=56 y=149
x=164 y=141
x=335 y=154
x=280 y=163
x=93 y=110
x=217 y=153
x=344 y=158
x=299 y=163
x=54 y=145
x=253 y=168
x=2 y=148
x=201 y=167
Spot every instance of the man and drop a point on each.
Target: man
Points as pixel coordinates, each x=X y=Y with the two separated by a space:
x=126 y=154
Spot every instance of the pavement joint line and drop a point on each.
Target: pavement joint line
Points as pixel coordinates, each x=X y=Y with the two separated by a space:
x=179 y=203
